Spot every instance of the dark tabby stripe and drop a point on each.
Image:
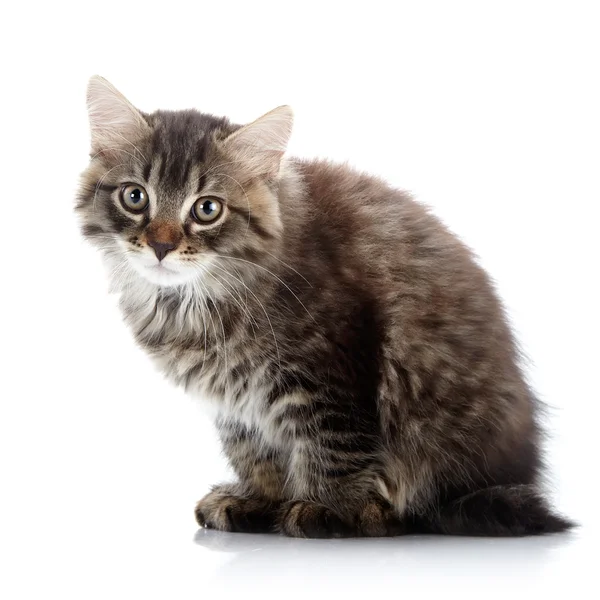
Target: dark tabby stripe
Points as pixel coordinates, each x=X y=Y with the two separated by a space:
x=92 y=230
x=252 y=222
x=201 y=183
x=146 y=171
x=105 y=187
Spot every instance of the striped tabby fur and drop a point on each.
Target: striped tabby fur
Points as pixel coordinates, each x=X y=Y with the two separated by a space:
x=362 y=374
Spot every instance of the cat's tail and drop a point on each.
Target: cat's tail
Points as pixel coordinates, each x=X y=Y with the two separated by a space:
x=499 y=511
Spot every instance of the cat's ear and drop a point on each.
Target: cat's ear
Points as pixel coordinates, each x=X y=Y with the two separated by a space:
x=260 y=145
x=113 y=119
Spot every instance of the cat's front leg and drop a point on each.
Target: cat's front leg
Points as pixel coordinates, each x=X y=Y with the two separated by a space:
x=252 y=505
x=232 y=508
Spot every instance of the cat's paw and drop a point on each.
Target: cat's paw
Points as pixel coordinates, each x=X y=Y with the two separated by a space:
x=299 y=518
x=225 y=511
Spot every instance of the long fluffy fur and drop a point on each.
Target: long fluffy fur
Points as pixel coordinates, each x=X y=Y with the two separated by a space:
x=362 y=373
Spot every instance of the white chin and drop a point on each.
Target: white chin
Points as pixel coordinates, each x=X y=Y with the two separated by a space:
x=163 y=276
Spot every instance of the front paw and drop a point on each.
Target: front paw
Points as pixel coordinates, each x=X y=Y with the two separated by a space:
x=223 y=510
x=299 y=518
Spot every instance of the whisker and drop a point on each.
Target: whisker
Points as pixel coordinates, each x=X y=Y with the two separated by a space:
x=118 y=149
x=222 y=328
x=263 y=309
x=222 y=256
x=202 y=298
x=230 y=289
x=130 y=142
x=289 y=267
x=100 y=183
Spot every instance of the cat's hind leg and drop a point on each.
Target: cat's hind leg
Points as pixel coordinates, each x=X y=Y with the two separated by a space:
x=334 y=470
x=372 y=518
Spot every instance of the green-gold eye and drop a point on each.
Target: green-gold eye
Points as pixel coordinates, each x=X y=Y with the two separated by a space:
x=134 y=198
x=206 y=210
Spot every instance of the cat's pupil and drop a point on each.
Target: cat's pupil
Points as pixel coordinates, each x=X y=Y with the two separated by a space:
x=136 y=196
x=208 y=207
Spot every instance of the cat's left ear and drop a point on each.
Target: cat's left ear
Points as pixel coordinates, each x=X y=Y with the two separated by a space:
x=114 y=121
x=260 y=145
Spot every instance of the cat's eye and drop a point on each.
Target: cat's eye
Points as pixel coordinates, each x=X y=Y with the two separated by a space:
x=134 y=198
x=206 y=210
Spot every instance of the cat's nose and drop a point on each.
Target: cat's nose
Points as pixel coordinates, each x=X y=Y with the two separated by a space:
x=163 y=237
x=161 y=249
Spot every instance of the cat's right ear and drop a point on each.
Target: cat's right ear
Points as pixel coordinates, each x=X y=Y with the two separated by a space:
x=260 y=145
x=114 y=121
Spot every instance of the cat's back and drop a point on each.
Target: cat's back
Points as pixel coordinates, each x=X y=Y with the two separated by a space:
x=353 y=203
x=363 y=219
x=439 y=305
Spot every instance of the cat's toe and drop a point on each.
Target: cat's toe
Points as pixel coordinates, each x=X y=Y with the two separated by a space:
x=227 y=512
x=311 y=520
x=200 y=517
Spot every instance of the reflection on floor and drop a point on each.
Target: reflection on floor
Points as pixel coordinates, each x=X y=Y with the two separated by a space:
x=426 y=563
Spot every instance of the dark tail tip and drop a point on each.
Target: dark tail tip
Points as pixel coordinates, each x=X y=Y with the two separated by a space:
x=557 y=523
x=511 y=510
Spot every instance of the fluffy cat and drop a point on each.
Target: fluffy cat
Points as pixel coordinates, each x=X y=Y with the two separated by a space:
x=364 y=379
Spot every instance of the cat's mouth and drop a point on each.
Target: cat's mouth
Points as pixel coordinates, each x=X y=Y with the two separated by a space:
x=163 y=275
x=160 y=268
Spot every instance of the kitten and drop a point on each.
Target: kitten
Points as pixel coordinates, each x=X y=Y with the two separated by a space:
x=363 y=376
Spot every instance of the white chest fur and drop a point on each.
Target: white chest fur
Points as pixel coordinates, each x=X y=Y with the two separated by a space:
x=208 y=376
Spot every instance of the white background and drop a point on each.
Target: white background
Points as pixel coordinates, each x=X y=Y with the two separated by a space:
x=487 y=111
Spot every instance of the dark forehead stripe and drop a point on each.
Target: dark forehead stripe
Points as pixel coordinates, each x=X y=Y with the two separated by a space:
x=180 y=141
x=163 y=159
x=146 y=171
x=201 y=183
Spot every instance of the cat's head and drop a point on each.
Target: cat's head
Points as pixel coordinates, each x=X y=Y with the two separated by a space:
x=167 y=195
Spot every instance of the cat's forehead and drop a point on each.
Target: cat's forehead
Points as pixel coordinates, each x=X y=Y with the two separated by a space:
x=184 y=129
x=179 y=144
